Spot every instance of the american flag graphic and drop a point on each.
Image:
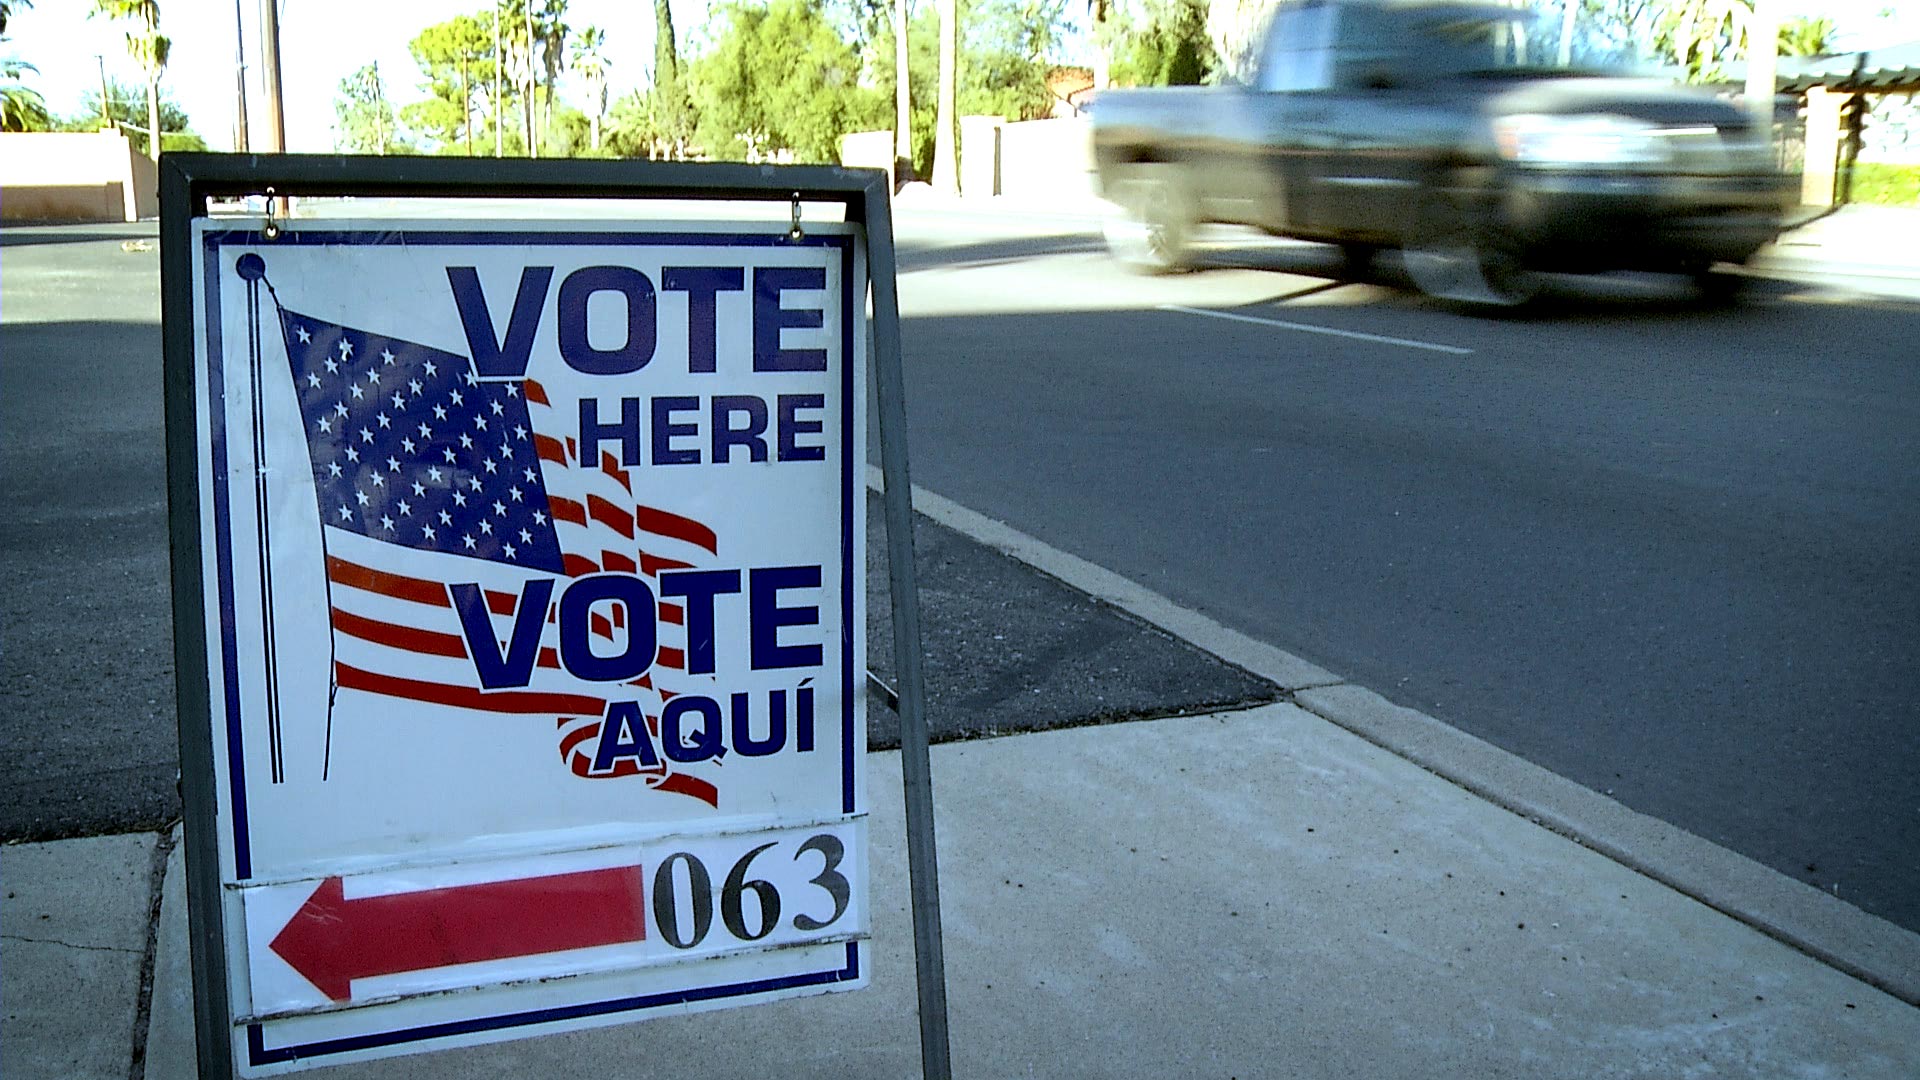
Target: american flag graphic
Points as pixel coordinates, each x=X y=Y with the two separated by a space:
x=426 y=476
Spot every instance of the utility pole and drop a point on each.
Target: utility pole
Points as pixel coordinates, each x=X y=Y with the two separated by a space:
x=106 y=102
x=270 y=75
x=239 y=81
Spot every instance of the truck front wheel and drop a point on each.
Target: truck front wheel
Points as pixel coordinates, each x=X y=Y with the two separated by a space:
x=1454 y=252
x=1151 y=229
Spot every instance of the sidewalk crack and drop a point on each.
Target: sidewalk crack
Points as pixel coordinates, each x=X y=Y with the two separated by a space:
x=68 y=944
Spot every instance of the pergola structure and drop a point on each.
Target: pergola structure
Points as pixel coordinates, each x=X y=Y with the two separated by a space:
x=1836 y=88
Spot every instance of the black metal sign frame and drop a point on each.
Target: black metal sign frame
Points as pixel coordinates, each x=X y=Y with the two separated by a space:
x=189 y=181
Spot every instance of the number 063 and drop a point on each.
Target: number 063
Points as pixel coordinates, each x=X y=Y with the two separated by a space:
x=733 y=910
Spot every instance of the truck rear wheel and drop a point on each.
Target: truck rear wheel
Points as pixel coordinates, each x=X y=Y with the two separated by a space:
x=1151 y=232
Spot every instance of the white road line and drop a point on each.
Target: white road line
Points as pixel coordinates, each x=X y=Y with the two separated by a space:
x=1309 y=328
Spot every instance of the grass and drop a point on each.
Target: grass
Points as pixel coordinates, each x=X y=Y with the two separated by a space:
x=1887 y=185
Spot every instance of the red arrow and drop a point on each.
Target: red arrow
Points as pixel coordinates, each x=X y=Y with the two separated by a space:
x=332 y=940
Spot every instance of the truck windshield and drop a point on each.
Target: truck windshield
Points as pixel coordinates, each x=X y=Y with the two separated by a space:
x=1497 y=41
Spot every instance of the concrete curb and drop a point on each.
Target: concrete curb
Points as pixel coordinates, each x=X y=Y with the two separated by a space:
x=1852 y=941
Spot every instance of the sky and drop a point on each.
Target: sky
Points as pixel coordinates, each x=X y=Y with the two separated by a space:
x=323 y=41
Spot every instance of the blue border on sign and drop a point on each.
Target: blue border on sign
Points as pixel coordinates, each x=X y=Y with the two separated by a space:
x=258 y=1054
x=213 y=241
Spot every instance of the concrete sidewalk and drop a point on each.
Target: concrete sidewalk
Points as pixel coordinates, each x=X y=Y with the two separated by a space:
x=1242 y=895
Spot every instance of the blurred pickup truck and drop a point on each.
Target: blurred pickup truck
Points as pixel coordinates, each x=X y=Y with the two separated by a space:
x=1489 y=144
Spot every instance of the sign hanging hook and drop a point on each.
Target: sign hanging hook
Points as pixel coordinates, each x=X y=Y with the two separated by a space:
x=796 y=232
x=272 y=228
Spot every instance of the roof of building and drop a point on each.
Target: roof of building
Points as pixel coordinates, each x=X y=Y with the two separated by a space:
x=1892 y=70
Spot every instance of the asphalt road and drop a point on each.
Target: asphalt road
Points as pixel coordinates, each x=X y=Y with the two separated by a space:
x=1668 y=550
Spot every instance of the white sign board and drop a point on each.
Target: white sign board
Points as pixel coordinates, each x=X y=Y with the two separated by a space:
x=535 y=611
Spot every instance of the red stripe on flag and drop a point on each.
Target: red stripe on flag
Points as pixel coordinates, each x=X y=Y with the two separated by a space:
x=662 y=523
x=651 y=565
x=536 y=393
x=578 y=565
x=398 y=637
x=342 y=572
x=610 y=515
x=671 y=658
x=466 y=697
x=673 y=613
x=400 y=587
x=602 y=626
x=611 y=468
x=613 y=560
x=548 y=448
x=565 y=509
x=549 y=658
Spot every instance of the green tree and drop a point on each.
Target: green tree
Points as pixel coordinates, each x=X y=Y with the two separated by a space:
x=126 y=110
x=671 y=112
x=1806 y=36
x=366 y=122
x=1003 y=57
x=779 y=78
x=1700 y=35
x=590 y=62
x=21 y=107
x=1167 y=45
x=456 y=63
x=1002 y=62
x=148 y=46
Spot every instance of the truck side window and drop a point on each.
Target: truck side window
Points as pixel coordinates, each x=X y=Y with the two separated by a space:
x=1368 y=53
x=1295 y=56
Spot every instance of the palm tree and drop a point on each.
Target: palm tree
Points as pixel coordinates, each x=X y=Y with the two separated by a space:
x=590 y=60
x=1099 y=12
x=515 y=23
x=149 y=47
x=1699 y=32
x=902 y=98
x=1806 y=36
x=552 y=35
x=946 y=161
x=21 y=107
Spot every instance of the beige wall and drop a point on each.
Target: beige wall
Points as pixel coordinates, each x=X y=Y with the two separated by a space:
x=868 y=150
x=1027 y=159
x=1046 y=157
x=77 y=176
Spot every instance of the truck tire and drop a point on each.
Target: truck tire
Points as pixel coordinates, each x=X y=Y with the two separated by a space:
x=1453 y=252
x=1151 y=231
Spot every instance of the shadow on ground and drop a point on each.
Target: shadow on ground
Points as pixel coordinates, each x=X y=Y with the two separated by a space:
x=1009 y=649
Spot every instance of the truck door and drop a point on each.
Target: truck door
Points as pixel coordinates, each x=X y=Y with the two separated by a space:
x=1291 y=83
x=1351 y=125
